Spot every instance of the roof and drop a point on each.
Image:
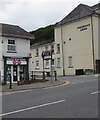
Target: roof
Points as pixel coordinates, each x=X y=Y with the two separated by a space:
x=42 y=43
x=14 y=31
x=97 y=6
x=81 y=11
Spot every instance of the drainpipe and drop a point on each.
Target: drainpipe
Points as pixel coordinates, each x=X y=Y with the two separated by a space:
x=93 y=45
x=62 y=51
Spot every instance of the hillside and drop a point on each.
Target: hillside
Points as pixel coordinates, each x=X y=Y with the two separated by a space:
x=41 y=34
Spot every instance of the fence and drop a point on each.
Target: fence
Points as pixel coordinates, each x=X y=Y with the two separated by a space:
x=43 y=75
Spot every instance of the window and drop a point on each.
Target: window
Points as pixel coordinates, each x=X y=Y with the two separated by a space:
x=37 y=52
x=52 y=48
x=37 y=64
x=70 y=61
x=11 y=46
x=46 y=48
x=58 y=62
x=58 y=48
x=47 y=64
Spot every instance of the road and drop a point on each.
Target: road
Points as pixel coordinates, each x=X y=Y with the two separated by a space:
x=76 y=100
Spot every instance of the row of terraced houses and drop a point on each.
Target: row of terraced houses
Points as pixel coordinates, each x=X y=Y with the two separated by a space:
x=75 y=47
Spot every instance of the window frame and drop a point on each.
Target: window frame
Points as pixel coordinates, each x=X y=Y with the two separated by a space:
x=11 y=46
x=58 y=62
x=70 y=62
x=58 y=48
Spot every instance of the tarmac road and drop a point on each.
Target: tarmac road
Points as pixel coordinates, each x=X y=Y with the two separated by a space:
x=76 y=100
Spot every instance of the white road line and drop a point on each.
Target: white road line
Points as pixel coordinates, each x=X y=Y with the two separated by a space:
x=95 y=92
x=8 y=93
x=21 y=110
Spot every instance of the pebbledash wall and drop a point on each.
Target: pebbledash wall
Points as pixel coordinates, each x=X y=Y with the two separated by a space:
x=14 y=53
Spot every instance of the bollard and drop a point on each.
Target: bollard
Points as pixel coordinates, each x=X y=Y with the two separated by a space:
x=55 y=75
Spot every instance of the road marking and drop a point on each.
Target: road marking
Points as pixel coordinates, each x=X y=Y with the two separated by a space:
x=21 y=110
x=8 y=93
x=95 y=92
x=58 y=85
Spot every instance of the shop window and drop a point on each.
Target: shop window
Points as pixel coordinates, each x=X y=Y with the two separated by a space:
x=11 y=47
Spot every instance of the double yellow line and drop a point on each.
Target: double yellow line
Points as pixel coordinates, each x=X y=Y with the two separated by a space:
x=66 y=83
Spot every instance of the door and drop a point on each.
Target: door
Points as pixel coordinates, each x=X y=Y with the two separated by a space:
x=8 y=73
x=14 y=73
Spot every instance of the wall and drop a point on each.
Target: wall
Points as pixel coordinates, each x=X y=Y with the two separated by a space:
x=22 y=47
x=79 y=47
x=58 y=40
x=39 y=58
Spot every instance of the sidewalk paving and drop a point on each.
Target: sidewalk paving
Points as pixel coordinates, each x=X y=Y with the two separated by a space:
x=38 y=85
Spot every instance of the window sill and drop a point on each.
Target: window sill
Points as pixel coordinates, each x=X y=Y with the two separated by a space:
x=58 y=53
x=11 y=52
x=37 y=56
x=70 y=66
x=37 y=68
x=47 y=68
x=58 y=67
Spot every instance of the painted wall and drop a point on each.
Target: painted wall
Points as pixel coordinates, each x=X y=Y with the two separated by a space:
x=76 y=43
x=39 y=58
x=22 y=47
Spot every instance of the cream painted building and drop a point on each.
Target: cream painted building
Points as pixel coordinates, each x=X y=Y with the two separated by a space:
x=36 y=62
x=77 y=41
x=14 y=53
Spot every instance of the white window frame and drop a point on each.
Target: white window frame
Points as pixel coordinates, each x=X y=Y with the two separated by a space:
x=70 y=61
x=47 y=65
x=11 y=47
x=58 y=63
x=58 y=48
x=52 y=48
x=46 y=48
x=37 y=65
x=37 y=52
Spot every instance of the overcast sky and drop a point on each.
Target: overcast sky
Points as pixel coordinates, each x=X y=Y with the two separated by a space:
x=33 y=14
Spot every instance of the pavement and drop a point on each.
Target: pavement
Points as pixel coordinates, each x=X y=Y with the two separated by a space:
x=38 y=85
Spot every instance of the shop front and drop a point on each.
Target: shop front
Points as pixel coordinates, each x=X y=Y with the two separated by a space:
x=15 y=69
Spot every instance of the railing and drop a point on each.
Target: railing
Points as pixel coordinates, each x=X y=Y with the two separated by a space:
x=44 y=75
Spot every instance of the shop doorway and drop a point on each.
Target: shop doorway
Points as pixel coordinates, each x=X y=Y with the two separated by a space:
x=15 y=76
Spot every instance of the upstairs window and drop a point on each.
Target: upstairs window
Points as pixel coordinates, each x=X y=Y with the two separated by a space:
x=52 y=48
x=58 y=48
x=11 y=47
x=37 y=52
x=46 y=48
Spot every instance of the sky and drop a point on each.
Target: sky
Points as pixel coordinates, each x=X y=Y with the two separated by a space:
x=33 y=14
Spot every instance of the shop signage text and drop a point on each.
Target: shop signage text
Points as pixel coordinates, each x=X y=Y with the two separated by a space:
x=83 y=27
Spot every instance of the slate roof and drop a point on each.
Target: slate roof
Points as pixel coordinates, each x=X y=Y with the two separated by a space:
x=81 y=11
x=42 y=43
x=14 y=31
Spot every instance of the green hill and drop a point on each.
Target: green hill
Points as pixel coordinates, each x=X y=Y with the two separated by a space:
x=41 y=34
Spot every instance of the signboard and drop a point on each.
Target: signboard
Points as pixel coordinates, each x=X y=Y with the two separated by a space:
x=46 y=55
x=16 y=61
